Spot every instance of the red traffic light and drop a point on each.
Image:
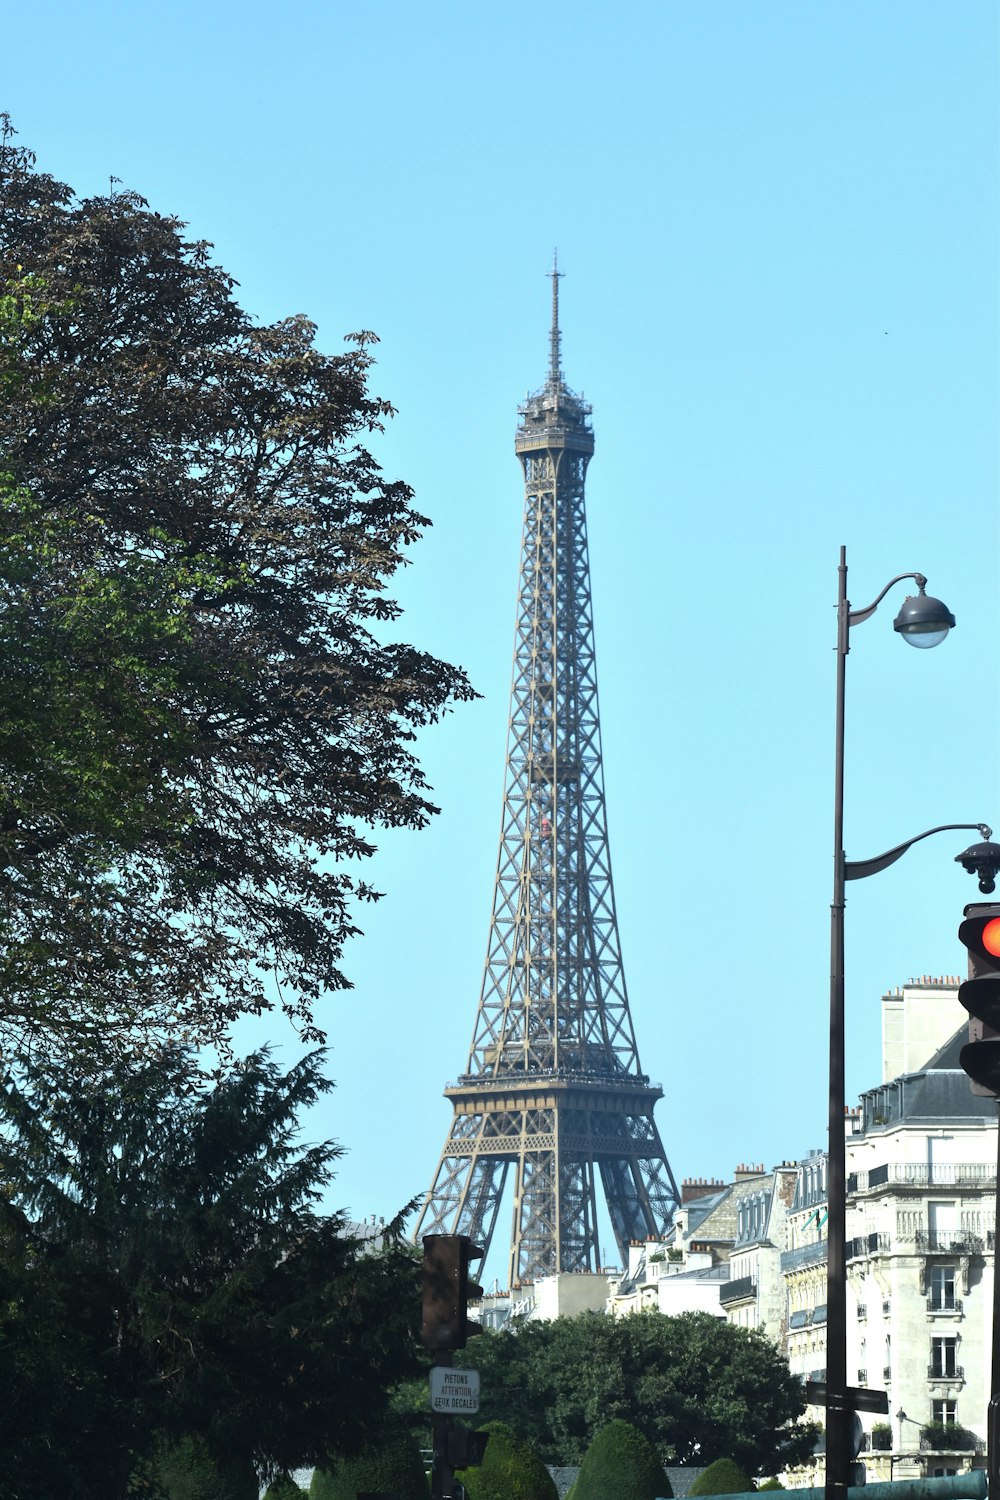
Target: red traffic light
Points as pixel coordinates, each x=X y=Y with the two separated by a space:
x=980 y=994
x=980 y=932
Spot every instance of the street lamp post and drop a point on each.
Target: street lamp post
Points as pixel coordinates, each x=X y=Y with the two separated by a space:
x=922 y=621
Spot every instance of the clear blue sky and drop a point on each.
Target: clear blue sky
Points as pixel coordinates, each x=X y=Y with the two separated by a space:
x=778 y=224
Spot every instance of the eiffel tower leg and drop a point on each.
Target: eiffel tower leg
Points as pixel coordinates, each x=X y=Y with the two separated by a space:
x=555 y=1217
x=580 y=1248
x=467 y=1188
x=535 y=1242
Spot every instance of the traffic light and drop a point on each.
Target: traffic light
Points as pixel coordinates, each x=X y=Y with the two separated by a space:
x=465 y=1448
x=980 y=994
x=448 y=1291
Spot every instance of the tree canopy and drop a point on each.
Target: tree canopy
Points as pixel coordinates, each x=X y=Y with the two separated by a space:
x=203 y=712
x=697 y=1387
x=168 y=1279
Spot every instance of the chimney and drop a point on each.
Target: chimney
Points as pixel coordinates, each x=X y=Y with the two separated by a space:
x=744 y=1171
x=699 y=1187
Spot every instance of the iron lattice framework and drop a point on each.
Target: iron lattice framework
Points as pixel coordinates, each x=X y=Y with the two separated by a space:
x=553 y=1085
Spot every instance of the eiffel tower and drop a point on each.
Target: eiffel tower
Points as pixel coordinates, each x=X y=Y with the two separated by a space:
x=553 y=1087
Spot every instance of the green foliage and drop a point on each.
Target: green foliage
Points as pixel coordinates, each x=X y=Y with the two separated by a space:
x=723 y=1477
x=621 y=1464
x=771 y=1484
x=697 y=1387
x=510 y=1470
x=58 y=1406
x=284 y=1488
x=201 y=700
x=391 y=1465
x=881 y=1436
x=189 y=1471
x=166 y=1273
x=947 y=1437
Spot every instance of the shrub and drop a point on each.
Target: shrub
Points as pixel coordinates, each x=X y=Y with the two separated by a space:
x=510 y=1470
x=771 y=1484
x=392 y=1465
x=189 y=1471
x=622 y=1463
x=284 y=1488
x=946 y=1437
x=722 y=1478
x=881 y=1436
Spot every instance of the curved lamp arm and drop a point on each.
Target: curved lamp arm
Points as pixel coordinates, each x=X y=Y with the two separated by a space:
x=857 y=616
x=859 y=869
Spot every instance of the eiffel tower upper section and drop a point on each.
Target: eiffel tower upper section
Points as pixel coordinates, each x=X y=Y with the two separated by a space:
x=553 y=1086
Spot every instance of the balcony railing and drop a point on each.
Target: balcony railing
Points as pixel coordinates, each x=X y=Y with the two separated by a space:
x=804 y=1255
x=947 y=1437
x=967 y=1174
x=741 y=1290
x=951 y=1305
x=867 y=1244
x=938 y=1371
x=949 y=1242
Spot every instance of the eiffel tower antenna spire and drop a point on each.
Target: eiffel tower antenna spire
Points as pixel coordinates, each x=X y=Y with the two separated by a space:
x=553 y=1092
x=555 y=337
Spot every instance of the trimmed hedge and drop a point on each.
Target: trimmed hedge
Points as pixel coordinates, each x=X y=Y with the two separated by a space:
x=189 y=1471
x=284 y=1489
x=724 y=1477
x=623 y=1464
x=509 y=1470
x=392 y=1466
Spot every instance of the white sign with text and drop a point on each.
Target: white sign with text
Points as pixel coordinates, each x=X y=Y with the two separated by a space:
x=454 y=1390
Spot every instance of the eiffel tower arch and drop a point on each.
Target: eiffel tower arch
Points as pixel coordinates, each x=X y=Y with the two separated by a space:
x=553 y=1095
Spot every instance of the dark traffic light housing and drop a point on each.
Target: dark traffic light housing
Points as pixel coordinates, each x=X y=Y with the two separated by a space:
x=465 y=1448
x=448 y=1291
x=980 y=994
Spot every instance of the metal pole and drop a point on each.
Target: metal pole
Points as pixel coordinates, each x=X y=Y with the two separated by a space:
x=837 y=1457
x=442 y=1478
x=993 y=1411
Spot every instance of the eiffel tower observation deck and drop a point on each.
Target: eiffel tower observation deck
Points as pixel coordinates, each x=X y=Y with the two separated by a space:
x=553 y=1094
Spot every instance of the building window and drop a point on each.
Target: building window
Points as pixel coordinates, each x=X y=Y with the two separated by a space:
x=942 y=1224
x=944 y=1412
x=944 y=1357
x=942 y=1288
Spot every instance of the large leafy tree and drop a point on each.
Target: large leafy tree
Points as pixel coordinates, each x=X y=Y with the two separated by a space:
x=168 y=1278
x=203 y=709
x=697 y=1387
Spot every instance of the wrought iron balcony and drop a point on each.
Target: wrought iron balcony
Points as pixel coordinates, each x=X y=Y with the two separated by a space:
x=950 y=1242
x=948 y=1437
x=743 y=1289
x=867 y=1244
x=804 y=1255
x=966 y=1174
x=942 y=1305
